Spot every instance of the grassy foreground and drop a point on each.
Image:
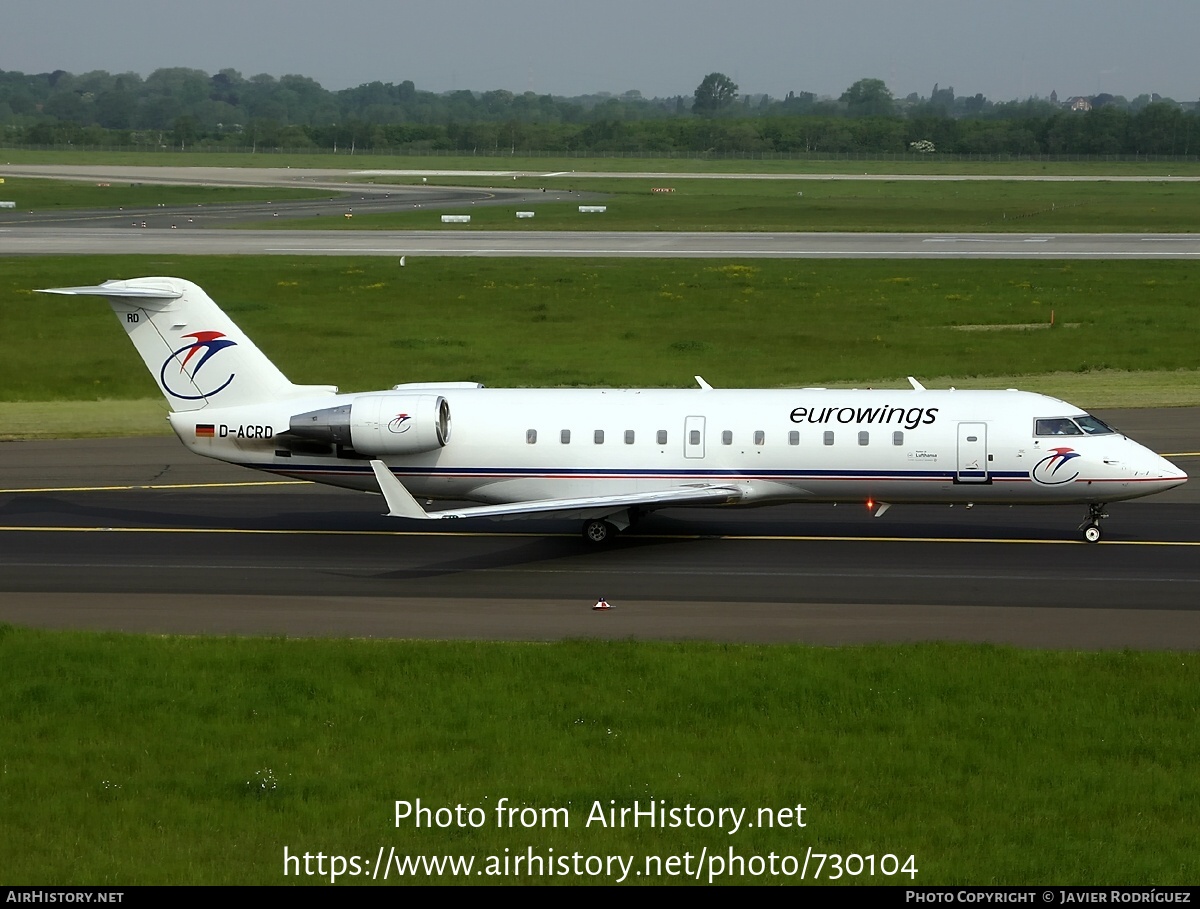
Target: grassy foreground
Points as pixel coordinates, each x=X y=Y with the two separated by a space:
x=174 y=760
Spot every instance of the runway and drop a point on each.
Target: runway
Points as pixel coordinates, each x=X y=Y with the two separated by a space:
x=203 y=230
x=180 y=544
x=55 y=240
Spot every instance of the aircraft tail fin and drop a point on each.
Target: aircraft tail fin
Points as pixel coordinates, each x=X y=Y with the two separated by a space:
x=195 y=352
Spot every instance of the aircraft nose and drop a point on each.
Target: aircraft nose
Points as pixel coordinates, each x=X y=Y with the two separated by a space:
x=1171 y=474
x=1153 y=467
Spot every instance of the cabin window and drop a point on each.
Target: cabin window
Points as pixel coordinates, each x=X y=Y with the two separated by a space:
x=793 y=437
x=598 y=437
x=864 y=438
x=531 y=437
x=1060 y=426
x=726 y=437
x=662 y=437
x=897 y=438
x=694 y=437
x=828 y=437
x=565 y=437
x=760 y=437
x=629 y=437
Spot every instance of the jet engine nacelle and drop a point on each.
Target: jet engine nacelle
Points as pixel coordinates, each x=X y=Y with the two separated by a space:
x=379 y=424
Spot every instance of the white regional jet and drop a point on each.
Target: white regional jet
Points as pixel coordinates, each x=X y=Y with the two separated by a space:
x=606 y=456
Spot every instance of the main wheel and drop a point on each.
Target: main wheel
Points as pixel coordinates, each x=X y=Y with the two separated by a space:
x=597 y=531
x=1091 y=533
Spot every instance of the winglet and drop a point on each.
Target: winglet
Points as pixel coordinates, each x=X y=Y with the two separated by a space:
x=917 y=386
x=399 y=500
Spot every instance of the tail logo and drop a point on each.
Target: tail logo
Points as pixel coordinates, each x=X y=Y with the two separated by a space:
x=400 y=423
x=1049 y=471
x=207 y=344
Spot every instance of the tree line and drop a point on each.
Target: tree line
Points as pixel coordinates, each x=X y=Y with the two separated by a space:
x=190 y=109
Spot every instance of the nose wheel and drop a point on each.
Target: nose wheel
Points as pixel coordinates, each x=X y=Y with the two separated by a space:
x=1091 y=527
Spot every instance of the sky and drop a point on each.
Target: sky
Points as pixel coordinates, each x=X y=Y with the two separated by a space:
x=1004 y=49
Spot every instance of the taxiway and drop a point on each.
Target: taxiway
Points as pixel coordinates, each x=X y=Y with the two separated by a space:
x=139 y=535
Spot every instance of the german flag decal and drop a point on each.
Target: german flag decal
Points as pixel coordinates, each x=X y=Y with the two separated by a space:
x=205 y=431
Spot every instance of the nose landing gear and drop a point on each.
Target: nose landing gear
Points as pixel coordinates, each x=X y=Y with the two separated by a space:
x=1091 y=527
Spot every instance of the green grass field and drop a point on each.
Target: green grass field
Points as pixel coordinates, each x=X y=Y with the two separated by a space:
x=809 y=205
x=132 y=760
x=1123 y=331
x=65 y=195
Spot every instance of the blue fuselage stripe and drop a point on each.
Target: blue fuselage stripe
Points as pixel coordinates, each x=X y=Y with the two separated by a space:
x=619 y=474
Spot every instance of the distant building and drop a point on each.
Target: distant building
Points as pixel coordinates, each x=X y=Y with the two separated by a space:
x=1079 y=103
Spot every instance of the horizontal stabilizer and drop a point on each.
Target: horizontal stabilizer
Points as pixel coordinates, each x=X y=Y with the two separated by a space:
x=401 y=504
x=121 y=289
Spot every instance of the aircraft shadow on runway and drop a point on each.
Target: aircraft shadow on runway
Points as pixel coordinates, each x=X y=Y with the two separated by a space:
x=175 y=509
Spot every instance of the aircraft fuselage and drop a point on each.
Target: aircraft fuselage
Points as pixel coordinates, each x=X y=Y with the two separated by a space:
x=814 y=445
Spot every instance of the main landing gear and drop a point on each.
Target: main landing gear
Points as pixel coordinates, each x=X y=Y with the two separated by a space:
x=604 y=530
x=1091 y=527
x=598 y=531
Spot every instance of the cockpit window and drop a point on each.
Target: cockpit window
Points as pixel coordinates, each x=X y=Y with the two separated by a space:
x=1092 y=426
x=1059 y=426
x=1085 y=424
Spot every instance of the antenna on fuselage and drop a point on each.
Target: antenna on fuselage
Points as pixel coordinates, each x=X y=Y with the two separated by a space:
x=700 y=381
x=917 y=386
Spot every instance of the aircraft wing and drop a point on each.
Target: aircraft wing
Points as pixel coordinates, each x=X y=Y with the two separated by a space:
x=401 y=504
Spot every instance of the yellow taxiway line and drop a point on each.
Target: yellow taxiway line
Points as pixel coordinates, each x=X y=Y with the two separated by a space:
x=160 y=486
x=796 y=538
